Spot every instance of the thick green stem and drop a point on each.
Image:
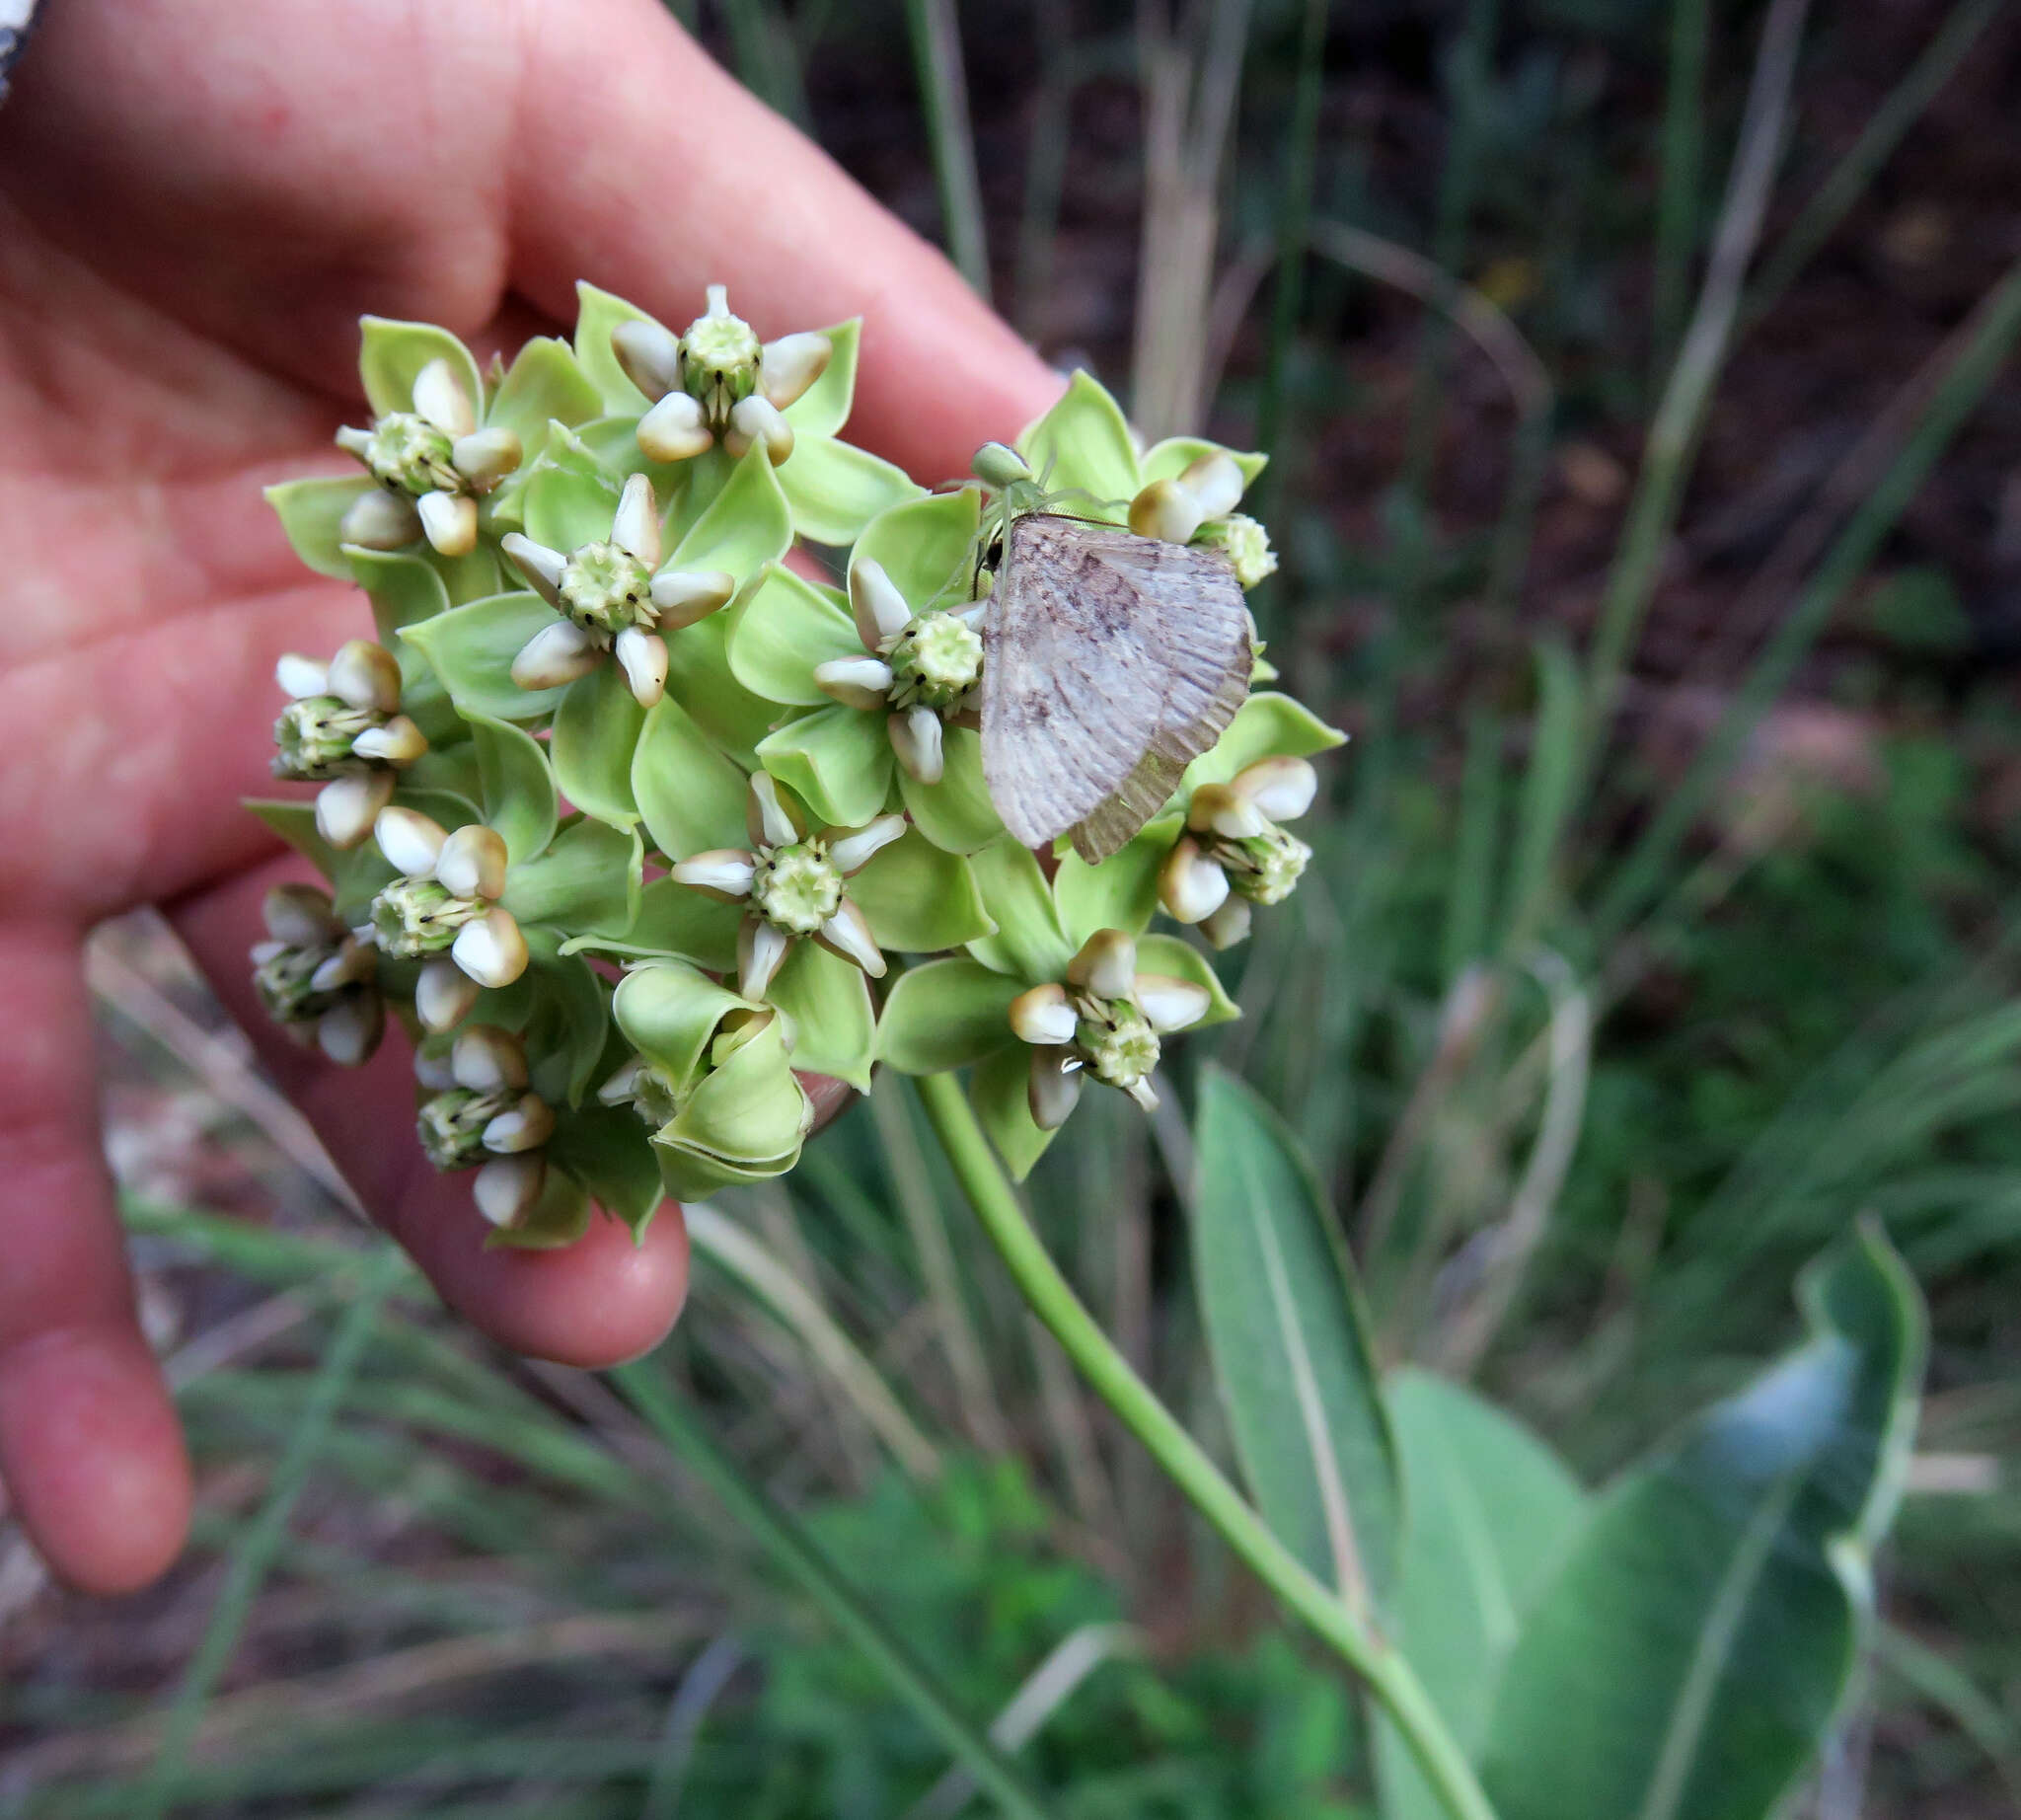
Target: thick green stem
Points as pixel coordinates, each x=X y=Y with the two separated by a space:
x=1052 y=1299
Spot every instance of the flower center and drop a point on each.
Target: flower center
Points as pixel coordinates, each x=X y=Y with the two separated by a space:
x=936 y=660
x=1263 y=867
x=452 y=1125
x=605 y=589
x=413 y=917
x=282 y=983
x=1117 y=1040
x=409 y=454
x=653 y=1098
x=720 y=356
x=314 y=738
x=797 y=889
x=1247 y=546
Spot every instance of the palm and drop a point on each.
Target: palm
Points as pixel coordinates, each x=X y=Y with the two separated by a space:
x=196 y=205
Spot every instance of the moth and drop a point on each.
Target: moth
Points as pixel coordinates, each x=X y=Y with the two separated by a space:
x=1111 y=663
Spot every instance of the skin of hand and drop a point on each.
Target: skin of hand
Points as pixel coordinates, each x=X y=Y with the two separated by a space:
x=197 y=200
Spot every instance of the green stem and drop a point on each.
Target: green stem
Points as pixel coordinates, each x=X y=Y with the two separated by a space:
x=944 y=90
x=795 y=1553
x=1390 y=1678
x=1677 y=212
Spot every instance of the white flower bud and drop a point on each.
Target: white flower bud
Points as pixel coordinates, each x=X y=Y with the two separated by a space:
x=411 y=841
x=1106 y=965
x=789 y=366
x=1170 y=1004
x=431 y=1070
x=363 y=674
x=643 y=655
x=349 y=1032
x=346 y=807
x=487 y=1059
x=760 y=948
x=1282 y=788
x=675 y=429
x=1043 y=1016
x=440 y=398
x=771 y=822
x=449 y=521
x=855 y=682
x=915 y=738
x=634 y=525
x=491 y=950
x=650 y=355
x=1216 y=482
x=507 y=1188
x=1054 y=1086
x=1230 y=924
x=876 y=605
x=1167 y=509
x=1219 y=809
x=853 y=852
x=618 y=1090
x=725 y=871
x=380 y=520
x=527 y=1126
x=1190 y=886
x=300 y=677
x=848 y=934
x=471 y=863
x=486 y=456
x=354 y=961
x=399 y=742
x=681 y=596
x=999 y=465
x=556 y=654
x=444 y=995
x=300 y=916
x=753 y=420
x=541 y=566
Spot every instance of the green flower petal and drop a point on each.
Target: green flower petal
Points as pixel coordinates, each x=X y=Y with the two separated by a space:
x=569 y=502
x=1267 y=726
x=606 y=1150
x=1167 y=460
x=310 y=512
x=1119 y=893
x=392 y=354
x=837 y=759
x=1028 y=945
x=449 y=771
x=404 y=591
x=920 y=900
x=1180 y=959
x=675 y=921
x=1083 y=443
x=835 y=489
x=823 y=408
x=469 y=577
x=568 y=1021
x=947 y=1014
x=595 y=733
x=925 y=545
x=518 y=787
x=560 y=1217
x=586 y=883
x=783 y=629
x=471 y=649
x=955 y=814
x=699 y=677
x=295 y=823
x=745 y=526
x=834 y=1025
x=544 y=385
x=999 y=1091
x=669 y=1013
x=691 y=796
x=597 y=313
x=743 y=1123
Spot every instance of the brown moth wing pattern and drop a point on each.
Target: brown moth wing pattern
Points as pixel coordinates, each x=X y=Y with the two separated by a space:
x=1111 y=663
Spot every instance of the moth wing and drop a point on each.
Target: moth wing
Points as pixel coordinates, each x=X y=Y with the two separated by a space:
x=1112 y=661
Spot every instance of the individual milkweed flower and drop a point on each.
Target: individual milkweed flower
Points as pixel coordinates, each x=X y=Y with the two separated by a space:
x=613 y=595
x=343 y=729
x=482 y=1115
x=1233 y=854
x=1105 y=1020
x=434 y=461
x=317 y=980
x=793 y=882
x=443 y=911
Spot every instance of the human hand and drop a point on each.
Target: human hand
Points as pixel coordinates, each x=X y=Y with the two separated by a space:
x=197 y=203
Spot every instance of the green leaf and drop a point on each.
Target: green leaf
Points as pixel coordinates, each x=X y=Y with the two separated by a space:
x=823 y=408
x=586 y=883
x=310 y=512
x=834 y=489
x=1167 y=460
x=920 y=900
x=1083 y=443
x=472 y=576
x=837 y=759
x=786 y=627
x=518 y=787
x=571 y=502
x=1693 y=1650
x=1550 y=788
x=925 y=545
x=691 y=796
x=1492 y=1512
x=1029 y=944
x=596 y=732
x=1119 y=893
x=610 y=1153
x=672 y=920
x=744 y=527
x=597 y=313
x=999 y=1091
x=743 y=1122
x=391 y=353
x=947 y=1014
x=472 y=648
x=1180 y=959
x=403 y=590
x=560 y=1217
x=1289 y=1340
x=544 y=385
x=955 y=814
x=1266 y=725
x=669 y=1013
x=699 y=677
x=353 y=878
x=834 y=1025
x=568 y=1021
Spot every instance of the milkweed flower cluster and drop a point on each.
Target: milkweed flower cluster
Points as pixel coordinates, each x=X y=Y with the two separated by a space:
x=634 y=826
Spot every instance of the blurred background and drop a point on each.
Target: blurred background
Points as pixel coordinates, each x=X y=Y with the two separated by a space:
x=1642 y=351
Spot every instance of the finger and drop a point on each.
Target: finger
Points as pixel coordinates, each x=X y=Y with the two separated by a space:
x=591 y=1303
x=89 y=1444
x=687 y=180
